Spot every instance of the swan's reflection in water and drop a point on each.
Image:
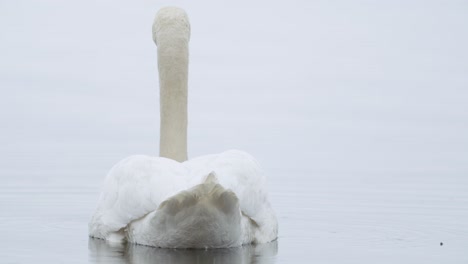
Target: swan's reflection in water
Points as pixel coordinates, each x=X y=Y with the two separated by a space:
x=102 y=252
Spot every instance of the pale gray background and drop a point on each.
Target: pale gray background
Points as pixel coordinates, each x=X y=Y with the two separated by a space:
x=330 y=96
x=367 y=85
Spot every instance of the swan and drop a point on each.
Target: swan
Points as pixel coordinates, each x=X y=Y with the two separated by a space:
x=212 y=201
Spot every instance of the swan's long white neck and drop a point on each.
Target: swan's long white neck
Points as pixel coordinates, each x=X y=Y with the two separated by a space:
x=171 y=33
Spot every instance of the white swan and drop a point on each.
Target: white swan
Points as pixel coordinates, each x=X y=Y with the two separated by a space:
x=212 y=201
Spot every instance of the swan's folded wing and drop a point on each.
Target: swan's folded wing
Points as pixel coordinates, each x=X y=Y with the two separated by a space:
x=133 y=188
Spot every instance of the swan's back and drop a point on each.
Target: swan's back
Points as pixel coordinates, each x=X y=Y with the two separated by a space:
x=155 y=206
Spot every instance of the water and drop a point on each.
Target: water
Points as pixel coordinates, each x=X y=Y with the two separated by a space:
x=331 y=218
x=101 y=252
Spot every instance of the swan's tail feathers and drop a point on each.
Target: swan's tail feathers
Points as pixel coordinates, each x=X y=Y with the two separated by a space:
x=205 y=216
x=211 y=178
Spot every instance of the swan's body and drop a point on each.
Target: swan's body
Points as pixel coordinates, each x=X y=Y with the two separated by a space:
x=211 y=201
x=160 y=202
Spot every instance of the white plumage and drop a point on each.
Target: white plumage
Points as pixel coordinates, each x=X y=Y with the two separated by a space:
x=212 y=201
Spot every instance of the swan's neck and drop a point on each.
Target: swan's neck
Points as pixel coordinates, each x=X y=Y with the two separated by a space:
x=171 y=33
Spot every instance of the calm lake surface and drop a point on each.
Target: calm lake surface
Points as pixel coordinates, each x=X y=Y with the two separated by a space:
x=335 y=218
